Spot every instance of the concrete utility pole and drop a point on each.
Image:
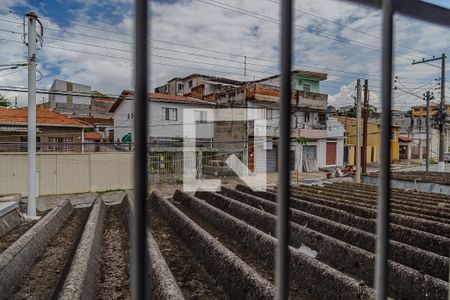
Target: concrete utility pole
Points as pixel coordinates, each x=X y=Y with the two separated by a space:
x=420 y=140
x=31 y=204
x=365 y=125
x=358 y=132
x=441 y=121
x=428 y=97
x=441 y=117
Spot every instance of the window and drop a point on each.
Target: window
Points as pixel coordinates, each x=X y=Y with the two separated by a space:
x=306 y=87
x=306 y=117
x=269 y=114
x=180 y=87
x=322 y=119
x=200 y=116
x=169 y=114
x=190 y=83
x=59 y=144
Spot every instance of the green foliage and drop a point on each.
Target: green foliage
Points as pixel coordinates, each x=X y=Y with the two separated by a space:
x=301 y=140
x=352 y=111
x=4 y=102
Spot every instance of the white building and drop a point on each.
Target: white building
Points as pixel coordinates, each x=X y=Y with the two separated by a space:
x=165 y=118
x=62 y=100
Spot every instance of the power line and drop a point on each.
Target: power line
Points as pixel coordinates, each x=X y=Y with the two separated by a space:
x=345 y=26
x=301 y=28
x=276 y=21
x=165 y=57
x=182 y=45
x=15 y=71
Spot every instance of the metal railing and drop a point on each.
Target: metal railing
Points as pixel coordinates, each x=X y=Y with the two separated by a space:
x=412 y=8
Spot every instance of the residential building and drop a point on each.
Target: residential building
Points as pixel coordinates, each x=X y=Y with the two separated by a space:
x=197 y=86
x=105 y=127
x=302 y=80
x=324 y=137
x=70 y=98
x=373 y=140
x=100 y=106
x=402 y=120
x=166 y=118
x=418 y=131
x=56 y=132
x=92 y=140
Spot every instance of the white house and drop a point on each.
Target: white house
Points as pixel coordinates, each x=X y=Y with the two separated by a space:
x=70 y=98
x=165 y=118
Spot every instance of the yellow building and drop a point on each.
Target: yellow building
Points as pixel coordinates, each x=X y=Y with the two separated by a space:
x=420 y=111
x=373 y=140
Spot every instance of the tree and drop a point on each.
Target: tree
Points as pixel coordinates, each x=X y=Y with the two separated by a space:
x=352 y=111
x=4 y=102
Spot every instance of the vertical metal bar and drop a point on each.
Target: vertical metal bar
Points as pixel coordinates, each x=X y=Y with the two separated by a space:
x=358 y=132
x=139 y=260
x=382 y=248
x=427 y=124
x=282 y=258
x=442 y=136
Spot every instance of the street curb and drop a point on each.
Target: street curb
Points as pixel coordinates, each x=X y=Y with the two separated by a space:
x=10 y=221
x=18 y=259
x=81 y=280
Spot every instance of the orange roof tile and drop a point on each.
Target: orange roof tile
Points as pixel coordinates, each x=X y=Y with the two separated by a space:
x=97 y=121
x=95 y=136
x=44 y=117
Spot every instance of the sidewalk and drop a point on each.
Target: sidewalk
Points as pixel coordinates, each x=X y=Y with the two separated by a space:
x=44 y=203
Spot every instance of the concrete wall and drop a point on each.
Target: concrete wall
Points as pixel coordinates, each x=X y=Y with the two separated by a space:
x=60 y=173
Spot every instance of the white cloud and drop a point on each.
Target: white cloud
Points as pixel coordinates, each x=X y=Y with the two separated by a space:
x=200 y=25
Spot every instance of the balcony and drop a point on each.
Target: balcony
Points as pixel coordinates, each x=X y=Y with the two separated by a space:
x=270 y=94
x=312 y=100
x=272 y=130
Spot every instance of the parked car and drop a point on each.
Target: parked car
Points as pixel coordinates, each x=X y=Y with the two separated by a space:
x=447 y=157
x=217 y=168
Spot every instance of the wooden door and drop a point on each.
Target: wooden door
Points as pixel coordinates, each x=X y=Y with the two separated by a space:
x=331 y=153
x=251 y=155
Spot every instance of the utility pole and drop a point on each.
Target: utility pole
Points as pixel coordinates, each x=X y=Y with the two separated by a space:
x=245 y=65
x=428 y=97
x=365 y=125
x=31 y=204
x=420 y=139
x=358 y=132
x=441 y=115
